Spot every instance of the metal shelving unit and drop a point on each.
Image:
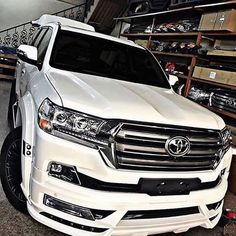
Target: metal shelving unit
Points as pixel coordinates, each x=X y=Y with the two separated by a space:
x=196 y=36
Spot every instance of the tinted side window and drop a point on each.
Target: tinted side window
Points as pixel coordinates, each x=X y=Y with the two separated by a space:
x=38 y=38
x=43 y=45
x=35 y=35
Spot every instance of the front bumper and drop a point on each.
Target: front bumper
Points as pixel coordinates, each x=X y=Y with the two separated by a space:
x=89 y=162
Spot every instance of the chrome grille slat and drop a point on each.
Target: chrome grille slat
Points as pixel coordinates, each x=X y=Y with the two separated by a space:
x=145 y=153
x=197 y=144
x=148 y=156
x=137 y=127
x=143 y=147
x=164 y=159
x=148 y=142
x=203 y=140
x=151 y=167
x=124 y=160
x=202 y=152
x=127 y=148
x=134 y=135
x=149 y=149
x=129 y=134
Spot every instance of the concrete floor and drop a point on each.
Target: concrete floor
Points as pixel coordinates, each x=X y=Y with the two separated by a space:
x=14 y=223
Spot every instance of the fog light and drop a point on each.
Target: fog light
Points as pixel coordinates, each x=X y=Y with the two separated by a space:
x=57 y=168
x=66 y=173
x=67 y=207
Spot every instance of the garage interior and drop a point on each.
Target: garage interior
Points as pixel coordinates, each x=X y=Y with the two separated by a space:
x=200 y=50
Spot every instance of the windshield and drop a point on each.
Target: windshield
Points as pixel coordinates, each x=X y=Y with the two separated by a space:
x=97 y=56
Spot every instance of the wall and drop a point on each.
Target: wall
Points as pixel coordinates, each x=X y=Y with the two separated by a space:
x=15 y=12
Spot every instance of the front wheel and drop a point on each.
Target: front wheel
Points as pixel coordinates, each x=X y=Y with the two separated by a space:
x=10 y=170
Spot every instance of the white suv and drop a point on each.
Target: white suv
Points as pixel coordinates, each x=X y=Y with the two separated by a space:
x=102 y=145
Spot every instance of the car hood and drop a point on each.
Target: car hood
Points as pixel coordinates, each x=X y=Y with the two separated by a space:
x=110 y=98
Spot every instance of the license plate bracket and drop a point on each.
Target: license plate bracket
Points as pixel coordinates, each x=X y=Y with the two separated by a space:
x=168 y=186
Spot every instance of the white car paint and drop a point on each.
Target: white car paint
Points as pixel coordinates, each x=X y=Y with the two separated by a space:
x=105 y=98
x=110 y=99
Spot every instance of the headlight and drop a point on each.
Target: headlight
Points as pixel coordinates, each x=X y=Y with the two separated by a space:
x=72 y=125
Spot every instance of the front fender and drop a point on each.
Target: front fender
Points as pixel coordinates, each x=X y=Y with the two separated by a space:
x=28 y=119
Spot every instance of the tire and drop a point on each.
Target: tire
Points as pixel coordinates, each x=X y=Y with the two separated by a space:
x=10 y=170
x=12 y=100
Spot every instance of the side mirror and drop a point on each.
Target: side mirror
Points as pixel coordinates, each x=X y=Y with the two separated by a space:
x=28 y=54
x=173 y=80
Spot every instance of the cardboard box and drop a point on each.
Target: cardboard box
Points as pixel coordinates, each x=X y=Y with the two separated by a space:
x=225 y=45
x=232 y=80
x=219 y=76
x=208 y=21
x=222 y=20
x=226 y=20
x=197 y=72
x=222 y=53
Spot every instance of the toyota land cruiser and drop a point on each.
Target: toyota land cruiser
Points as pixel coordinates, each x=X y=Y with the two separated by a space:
x=101 y=143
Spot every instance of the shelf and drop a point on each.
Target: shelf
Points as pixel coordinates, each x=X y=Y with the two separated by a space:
x=219 y=58
x=135 y=35
x=202 y=7
x=185 y=34
x=7 y=66
x=7 y=77
x=179 y=75
x=213 y=83
x=219 y=34
x=174 y=54
x=189 y=59
x=8 y=56
x=174 y=11
x=216 y=6
x=221 y=112
x=202 y=57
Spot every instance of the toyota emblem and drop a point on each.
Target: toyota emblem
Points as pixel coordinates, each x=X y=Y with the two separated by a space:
x=177 y=146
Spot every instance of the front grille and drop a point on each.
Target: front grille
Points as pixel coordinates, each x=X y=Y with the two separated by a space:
x=143 y=147
x=224 y=102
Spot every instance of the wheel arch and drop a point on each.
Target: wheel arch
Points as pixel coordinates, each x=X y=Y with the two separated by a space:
x=26 y=117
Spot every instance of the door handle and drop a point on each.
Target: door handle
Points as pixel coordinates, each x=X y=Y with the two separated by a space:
x=18 y=62
x=22 y=72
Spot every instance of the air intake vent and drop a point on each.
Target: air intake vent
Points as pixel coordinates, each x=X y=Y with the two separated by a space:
x=132 y=215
